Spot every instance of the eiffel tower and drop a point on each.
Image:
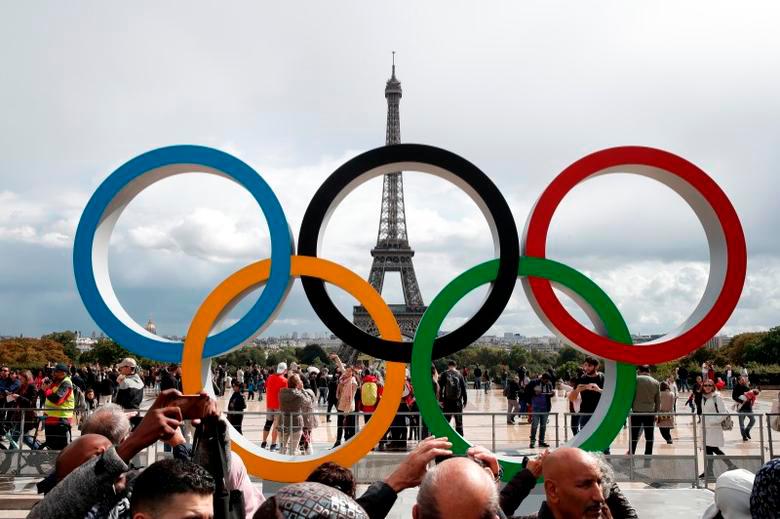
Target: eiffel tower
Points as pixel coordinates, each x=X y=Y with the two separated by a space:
x=392 y=252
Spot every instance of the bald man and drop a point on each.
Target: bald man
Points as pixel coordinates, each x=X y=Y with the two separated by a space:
x=572 y=485
x=80 y=450
x=475 y=496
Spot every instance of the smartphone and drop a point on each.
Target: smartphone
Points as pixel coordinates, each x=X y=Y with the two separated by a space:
x=192 y=406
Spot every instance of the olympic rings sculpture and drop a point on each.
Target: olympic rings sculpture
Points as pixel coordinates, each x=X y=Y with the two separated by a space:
x=611 y=340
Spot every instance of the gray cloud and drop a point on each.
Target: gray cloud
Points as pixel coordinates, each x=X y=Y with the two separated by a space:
x=521 y=90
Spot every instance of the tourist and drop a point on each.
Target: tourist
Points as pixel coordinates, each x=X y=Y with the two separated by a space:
x=97 y=482
x=521 y=485
x=130 y=389
x=24 y=400
x=250 y=388
x=58 y=409
x=672 y=383
x=714 y=405
x=698 y=393
x=322 y=388
x=236 y=407
x=572 y=485
x=477 y=377
x=589 y=387
x=729 y=374
x=682 y=382
x=310 y=501
x=173 y=488
x=310 y=420
x=275 y=383
x=335 y=476
x=745 y=398
x=512 y=393
x=666 y=405
x=333 y=383
x=452 y=394
x=574 y=406
x=168 y=378
x=370 y=394
x=541 y=405
x=475 y=496
x=731 y=496
x=108 y=420
x=647 y=399
x=291 y=399
x=240 y=376
x=486 y=380
x=345 y=402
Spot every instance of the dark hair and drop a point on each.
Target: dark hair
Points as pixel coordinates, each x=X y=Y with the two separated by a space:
x=166 y=478
x=451 y=363
x=592 y=361
x=335 y=476
x=644 y=368
x=664 y=386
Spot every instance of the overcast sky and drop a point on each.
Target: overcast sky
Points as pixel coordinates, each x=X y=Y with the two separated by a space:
x=521 y=89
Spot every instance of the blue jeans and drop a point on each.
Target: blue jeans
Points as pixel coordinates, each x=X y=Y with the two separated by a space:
x=539 y=421
x=751 y=422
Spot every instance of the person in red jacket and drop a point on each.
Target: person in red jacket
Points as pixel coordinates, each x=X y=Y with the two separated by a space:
x=274 y=384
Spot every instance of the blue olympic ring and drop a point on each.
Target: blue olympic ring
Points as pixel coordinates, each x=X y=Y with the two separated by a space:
x=90 y=249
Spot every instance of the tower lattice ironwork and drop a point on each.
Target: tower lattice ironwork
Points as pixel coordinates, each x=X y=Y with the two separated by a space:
x=392 y=252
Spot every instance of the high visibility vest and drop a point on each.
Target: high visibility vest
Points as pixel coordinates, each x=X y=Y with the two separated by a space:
x=63 y=410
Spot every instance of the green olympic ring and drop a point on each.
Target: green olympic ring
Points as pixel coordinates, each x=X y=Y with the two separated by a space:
x=616 y=399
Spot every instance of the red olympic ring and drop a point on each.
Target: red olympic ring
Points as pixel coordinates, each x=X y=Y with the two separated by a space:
x=722 y=226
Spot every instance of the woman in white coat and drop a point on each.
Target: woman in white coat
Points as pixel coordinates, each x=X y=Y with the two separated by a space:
x=713 y=404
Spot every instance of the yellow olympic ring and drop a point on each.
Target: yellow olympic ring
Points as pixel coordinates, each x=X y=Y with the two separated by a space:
x=195 y=374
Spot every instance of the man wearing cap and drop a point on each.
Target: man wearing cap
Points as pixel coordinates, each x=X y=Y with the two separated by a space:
x=131 y=388
x=58 y=408
x=274 y=384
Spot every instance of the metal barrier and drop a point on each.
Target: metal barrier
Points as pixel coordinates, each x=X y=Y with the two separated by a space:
x=680 y=464
x=771 y=434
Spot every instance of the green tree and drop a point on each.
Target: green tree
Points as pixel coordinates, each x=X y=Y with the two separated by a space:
x=107 y=353
x=311 y=353
x=765 y=349
x=738 y=345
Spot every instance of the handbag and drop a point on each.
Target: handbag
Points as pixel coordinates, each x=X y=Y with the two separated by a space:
x=727 y=423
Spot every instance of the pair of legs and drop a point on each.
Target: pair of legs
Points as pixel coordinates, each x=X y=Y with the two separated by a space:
x=512 y=409
x=666 y=432
x=289 y=440
x=271 y=422
x=640 y=423
x=57 y=435
x=539 y=422
x=709 y=461
x=345 y=426
x=454 y=410
x=751 y=422
x=322 y=399
x=574 y=424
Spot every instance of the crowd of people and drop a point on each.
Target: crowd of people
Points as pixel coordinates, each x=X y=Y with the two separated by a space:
x=94 y=478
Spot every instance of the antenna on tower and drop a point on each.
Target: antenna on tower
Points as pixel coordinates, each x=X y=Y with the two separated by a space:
x=393 y=63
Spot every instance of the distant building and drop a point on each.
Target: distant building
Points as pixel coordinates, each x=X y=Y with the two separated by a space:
x=84 y=344
x=151 y=327
x=717 y=342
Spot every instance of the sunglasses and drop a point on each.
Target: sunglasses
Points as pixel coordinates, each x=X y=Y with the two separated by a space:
x=709 y=385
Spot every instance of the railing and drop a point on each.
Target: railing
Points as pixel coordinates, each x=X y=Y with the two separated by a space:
x=667 y=465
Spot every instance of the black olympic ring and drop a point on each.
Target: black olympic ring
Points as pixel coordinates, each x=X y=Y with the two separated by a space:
x=439 y=162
